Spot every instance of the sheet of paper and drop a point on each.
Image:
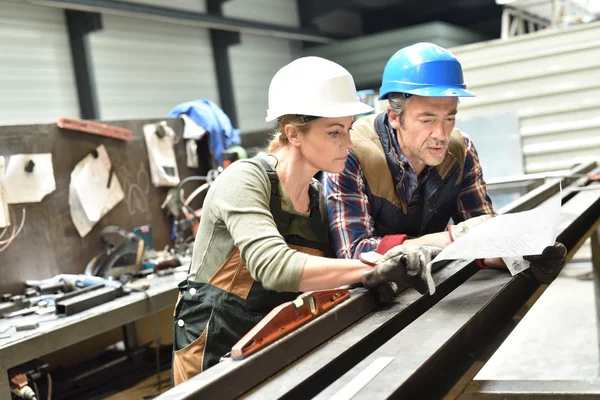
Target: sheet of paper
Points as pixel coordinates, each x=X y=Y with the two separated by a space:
x=515 y=264
x=191 y=153
x=91 y=175
x=509 y=235
x=91 y=186
x=4 y=216
x=191 y=130
x=161 y=156
x=29 y=187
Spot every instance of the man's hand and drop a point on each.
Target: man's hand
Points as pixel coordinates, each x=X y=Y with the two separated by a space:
x=464 y=227
x=402 y=265
x=546 y=266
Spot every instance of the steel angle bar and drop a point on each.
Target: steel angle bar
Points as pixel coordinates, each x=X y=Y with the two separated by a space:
x=547 y=190
x=516 y=179
x=230 y=378
x=533 y=390
x=431 y=371
x=421 y=341
x=308 y=376
x=217 y=381
x=85 y=301
x=434 y=351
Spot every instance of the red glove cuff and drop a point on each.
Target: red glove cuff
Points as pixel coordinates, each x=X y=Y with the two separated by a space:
x=389 y=241
x=450 y=233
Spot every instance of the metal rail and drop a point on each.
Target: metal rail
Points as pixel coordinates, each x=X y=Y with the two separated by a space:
x=205 y=20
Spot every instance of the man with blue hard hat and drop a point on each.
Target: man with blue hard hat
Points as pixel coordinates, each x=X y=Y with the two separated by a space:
x=410 y=171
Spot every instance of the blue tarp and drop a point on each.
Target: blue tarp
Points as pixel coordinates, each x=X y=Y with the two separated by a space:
x=209 y=116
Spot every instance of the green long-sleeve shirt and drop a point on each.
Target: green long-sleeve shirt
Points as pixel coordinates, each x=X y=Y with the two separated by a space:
x=236 y=214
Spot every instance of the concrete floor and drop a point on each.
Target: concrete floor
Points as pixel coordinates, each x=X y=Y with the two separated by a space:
x=557 y=338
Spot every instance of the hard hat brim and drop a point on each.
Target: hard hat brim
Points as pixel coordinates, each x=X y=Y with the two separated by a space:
x=330 y=111
x=433 y=91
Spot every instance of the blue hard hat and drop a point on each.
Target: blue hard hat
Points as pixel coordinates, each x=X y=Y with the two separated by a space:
x=424 y=69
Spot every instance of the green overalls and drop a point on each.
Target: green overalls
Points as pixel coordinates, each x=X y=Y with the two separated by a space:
x=211 y=317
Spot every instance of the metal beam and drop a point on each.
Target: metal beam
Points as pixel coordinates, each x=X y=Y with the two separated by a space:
x=424 y=354
x=187 y=17
x=533 y=390
x=311 y=9
x=220 y=42
x=79 y=25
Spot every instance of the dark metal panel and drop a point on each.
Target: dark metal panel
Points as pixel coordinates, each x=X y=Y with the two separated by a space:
x=86 y=301
x=205 y=20
x=311 y=9
x=433 y=352
x=316 y=371
x=79 y=25
x=220 y=42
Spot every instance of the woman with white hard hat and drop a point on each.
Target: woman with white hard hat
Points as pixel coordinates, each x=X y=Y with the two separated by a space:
x=263 y=235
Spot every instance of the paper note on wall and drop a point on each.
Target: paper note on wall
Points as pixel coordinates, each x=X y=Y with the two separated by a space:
x=161 y=156
x=4 y=217
x=29 y=178
x=93 y=190
x=91 y=186
x=509 y=236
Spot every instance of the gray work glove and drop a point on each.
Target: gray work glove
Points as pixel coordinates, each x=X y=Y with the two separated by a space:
x=545 y=267
x=464 y=227
x=402 y=265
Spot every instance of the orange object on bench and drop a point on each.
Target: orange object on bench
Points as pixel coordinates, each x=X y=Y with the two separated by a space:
x=287 y=317
x=95 y=128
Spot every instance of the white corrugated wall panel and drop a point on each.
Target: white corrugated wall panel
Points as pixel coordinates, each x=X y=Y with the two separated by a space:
x=144 y=68
x=365 y=57
x=552 y=80
x=36 y=71
x=257 y=58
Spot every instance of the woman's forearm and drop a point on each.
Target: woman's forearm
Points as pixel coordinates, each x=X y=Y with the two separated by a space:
x=327 y=273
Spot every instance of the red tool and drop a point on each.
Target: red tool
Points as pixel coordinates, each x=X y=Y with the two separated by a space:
x=285 y=318
x=95 y=128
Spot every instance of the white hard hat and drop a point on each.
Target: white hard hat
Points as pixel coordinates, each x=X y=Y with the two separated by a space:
x=313 y=86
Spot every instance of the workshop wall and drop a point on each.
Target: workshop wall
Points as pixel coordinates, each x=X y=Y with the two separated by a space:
x=144 y=68
x=551 y=79
x=48 y=226
x=37 y=81
x=366 y=56
x=257 y=58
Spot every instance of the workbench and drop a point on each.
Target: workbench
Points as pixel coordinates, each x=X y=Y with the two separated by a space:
x=55 y=332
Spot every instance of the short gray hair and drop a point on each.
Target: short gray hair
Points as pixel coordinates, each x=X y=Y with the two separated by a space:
x=398 y=103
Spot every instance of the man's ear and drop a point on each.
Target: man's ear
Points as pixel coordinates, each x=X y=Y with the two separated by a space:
x=293 y=134
x=393 y=118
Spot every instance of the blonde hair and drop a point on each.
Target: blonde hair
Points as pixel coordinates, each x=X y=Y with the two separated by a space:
x=279 y=138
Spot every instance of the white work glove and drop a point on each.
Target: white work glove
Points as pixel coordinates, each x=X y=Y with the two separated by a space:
x=461 y=229
x=403 y=265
